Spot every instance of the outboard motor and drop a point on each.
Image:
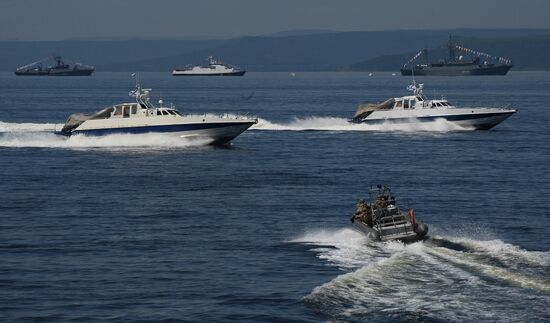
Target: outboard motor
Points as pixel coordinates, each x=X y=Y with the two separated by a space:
x=421 y=229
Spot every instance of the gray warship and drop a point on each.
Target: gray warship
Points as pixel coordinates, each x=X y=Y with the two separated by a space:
x=456 y=65
x=59 y=68
x=381 y=220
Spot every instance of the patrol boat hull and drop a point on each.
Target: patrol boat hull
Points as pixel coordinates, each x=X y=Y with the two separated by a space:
x=401 y=233
x=469 y=121
x=456 y=70
x=217 y=133
x=189 y=73
x=55 y=73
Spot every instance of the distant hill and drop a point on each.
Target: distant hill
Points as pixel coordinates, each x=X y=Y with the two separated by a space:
x=287 y=51
x=313 y=52
x=527 y=53
x=319 y=52
x=301 y=32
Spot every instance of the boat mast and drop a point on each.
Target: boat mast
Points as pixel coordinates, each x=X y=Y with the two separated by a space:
x=137 y=92
x=451 y=49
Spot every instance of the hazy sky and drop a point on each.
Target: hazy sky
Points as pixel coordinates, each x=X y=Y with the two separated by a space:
x=69 y=19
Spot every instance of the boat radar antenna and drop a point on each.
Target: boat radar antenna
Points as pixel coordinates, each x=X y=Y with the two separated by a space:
x=412 y=87
x=141 y=95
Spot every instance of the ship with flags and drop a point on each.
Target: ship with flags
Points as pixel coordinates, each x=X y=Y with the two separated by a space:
x=481 y=64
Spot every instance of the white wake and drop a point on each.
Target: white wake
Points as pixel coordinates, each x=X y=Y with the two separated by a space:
x=40 y=135
x=443 y=278
x=342 y=124
x=28 y=127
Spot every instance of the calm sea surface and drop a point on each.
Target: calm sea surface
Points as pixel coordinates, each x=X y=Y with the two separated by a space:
x=128 y=228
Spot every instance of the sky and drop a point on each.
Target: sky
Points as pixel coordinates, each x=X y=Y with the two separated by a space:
x=189 y=19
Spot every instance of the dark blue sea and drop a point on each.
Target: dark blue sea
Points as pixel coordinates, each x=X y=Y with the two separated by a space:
x=143 y=228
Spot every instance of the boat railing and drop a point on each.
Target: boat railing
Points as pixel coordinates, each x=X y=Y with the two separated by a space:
x=397 y=220
x=237 y=117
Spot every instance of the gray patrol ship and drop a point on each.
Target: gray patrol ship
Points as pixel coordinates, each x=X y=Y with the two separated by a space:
x=59 y=68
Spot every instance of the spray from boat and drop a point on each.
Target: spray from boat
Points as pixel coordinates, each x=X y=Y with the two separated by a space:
x=446 y=277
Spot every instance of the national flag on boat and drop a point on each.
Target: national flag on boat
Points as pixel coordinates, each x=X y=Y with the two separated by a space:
x=133 y=93
x=411 y=88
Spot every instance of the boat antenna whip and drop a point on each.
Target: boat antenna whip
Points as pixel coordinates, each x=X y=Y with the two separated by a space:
x=135 y=75
x=137 y=92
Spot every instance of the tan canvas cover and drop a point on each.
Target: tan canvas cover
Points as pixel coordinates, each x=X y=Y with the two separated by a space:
x=76 y=119
x=365 y=109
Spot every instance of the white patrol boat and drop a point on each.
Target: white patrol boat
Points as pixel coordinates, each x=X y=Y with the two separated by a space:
x=214 y=68
x=418 y=108
x=142 y=117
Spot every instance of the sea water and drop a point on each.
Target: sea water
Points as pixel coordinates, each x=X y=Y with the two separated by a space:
x=145 y=227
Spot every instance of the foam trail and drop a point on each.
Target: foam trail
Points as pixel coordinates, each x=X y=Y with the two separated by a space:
x=504 y=274
x=26 y=127
x=444 y=278
x=345 y=248
x=50 y=140
x=342 y=124
x=504 y=251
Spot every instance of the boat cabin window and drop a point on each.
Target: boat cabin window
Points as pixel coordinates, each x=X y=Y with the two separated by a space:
x=171 y=112
x=118 y=111
x=126 y=113
x=405 y=104
x=419 y=99
x=399 y=104
x=143 y=106
x=134 y=109
x=165 y=113
x=159 y=113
